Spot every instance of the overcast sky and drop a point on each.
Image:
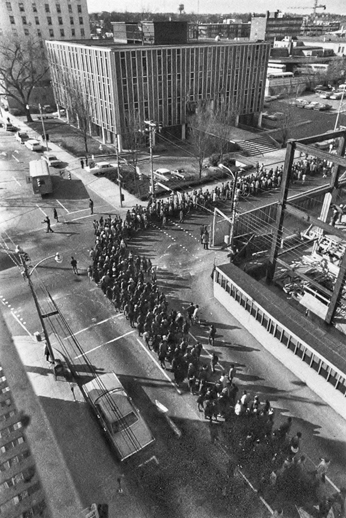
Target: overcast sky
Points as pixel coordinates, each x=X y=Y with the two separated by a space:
x=207 y=6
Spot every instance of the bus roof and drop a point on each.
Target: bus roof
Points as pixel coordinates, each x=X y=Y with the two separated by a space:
x=38 y=168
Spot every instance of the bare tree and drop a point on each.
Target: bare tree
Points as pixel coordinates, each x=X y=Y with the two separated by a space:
x=200 y=138
x=220 y=125
x=76 y=102
x=133 y=139
x=23 y=66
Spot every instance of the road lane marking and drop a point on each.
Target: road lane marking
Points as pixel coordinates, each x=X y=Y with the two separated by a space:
x=21 y=324
x=93 y=325
x=15 y=158
x=159 y=366
x=61 y=205
x=37 y=205
x=106 y=343
x=174 y=427
x=255 y=491
x=15 y=179
x=153 y=458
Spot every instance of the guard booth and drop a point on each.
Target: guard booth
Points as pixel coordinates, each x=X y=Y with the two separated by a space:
x=39 y=177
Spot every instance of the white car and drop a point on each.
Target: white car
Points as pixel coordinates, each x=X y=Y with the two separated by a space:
x=61 y=114
x=164 y=175
x=120 y=419
x=22 y=137
x=337 y=95
x=51 y=160
x=101 y=167
x=34 y=145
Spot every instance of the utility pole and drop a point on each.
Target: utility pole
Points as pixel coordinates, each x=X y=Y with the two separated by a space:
x=233 y=201
x=151 y=128
x=43 y=127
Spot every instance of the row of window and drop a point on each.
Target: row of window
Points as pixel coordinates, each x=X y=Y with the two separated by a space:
x=51 y=32
x=49 y=20
x=298 y=347
x=46 y=7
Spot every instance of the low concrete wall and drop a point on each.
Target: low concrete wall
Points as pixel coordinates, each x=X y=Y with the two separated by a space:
x=313 y=380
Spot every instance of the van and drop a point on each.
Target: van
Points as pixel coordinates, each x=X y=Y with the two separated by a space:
x=39 y=177
x=342 y=87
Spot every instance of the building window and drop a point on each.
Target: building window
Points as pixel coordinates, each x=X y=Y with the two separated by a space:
x=73 y=32
x=12 y=20
x=46 y=6
x=69 y=8
x=79 y=8
x=58 y=8
x=26 y=31
x=71 y=20
x=49 y=20
x=24 y=20
x=51 y=33
x=9 y=6
x=82 y=33
x=21 y=7
x=39 y=33
x=14 y=31
x=80 y=20
x=34 y=8
x=62 y=33
x=60 y=20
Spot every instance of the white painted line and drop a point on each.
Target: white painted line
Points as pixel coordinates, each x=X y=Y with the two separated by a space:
x=92 y=325
x=174 y=427
x=22 y=324
x=82 y=217
x=80 y=210
x=255 y=491
x=37 y=205
x=159 y=366
x=327 y=478
x=15 y=158
x=106 y=343
x=61 y=205
x=15 y=179
x=147 y=461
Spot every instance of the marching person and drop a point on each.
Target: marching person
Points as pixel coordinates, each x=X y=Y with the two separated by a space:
x=49 y=228
x=74 y=265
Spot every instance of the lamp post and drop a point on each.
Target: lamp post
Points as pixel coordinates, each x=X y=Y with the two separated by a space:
x=233 y=200
x=151 y=129
x=27 y=275
x=118 y=169
x=43 y=127
x=339 y=110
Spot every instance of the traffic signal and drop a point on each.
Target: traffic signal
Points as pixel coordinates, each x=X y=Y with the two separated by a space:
x=69 y=176
x=26 y=257
x=47 y=137
x=38 y=182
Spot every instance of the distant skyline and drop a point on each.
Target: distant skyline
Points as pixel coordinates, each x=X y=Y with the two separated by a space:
x=206 y=6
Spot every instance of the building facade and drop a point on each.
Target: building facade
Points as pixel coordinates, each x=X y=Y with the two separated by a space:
x=275 y=26
x=46 y=19
x=159 y=82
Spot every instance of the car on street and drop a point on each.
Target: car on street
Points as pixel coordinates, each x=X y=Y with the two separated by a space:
x=311 y=105
x=47 y=108
x=337 y=95
x=326 y=95
x=164 y=175
x=51 y=160
x=300 y=103
x=322 y=88
x=100 y=168
x=61 y=114
x=22 y=136
x=34 y=145
x=322 y=107
x=8 y=126
x=120 y=419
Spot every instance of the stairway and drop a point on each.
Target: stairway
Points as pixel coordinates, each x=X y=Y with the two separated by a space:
x=257 y=146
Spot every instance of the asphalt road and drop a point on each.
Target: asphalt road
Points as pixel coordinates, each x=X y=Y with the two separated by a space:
x=181 y=476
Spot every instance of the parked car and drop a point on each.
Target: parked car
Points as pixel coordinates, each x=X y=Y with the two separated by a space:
x=34 y=145
x=322 y=107
x=8 y=126
x=326 y=95
x=322 y=88
x=301 y=103
x=164 y=175
x=119 y=418
x=47 y=108
x=51 y=160
x=61 y=114
x=101 y=167
x=21 y=136
x=311 y=105
x=337 y=95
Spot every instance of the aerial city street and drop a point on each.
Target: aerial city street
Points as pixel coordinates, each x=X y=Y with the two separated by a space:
x=172 y=261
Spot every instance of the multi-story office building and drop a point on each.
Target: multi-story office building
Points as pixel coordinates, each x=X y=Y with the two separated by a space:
x=274 y=26
x=159 y=82
x=46 y=19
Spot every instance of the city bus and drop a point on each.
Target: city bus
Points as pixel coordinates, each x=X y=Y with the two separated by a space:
x=280 y=75
x=276 y=67
x=39 y=177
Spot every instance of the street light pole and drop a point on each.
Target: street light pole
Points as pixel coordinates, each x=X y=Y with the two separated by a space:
x=40 y=316
x=233 y=201
x=151 y=128
x=118 y=169
x=339 y=110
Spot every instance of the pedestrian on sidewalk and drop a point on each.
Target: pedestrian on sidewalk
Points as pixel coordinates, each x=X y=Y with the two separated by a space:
x=181 y=216
x=55 y=215
x=91 y=206
x=214 y=361
x=47 y=220
x=195 y=318
x=47 y=353
x=232 y=372
x=82 y=163
x=211 y=334
x=205 y=240
x=74 y=265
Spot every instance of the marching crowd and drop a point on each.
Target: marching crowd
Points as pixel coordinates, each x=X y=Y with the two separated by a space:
x=129 y=282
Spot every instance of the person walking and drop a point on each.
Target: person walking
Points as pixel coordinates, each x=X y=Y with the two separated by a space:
x=74 y=265
x=82 y=163
x=55 y=215
x=211 y=334
x=232 y=372
x=205 y=240
x=46 y=353
x=47 y=221
x=195 y=318
x=91 y=206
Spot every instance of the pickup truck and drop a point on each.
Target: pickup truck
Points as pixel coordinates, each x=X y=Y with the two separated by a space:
x=121 y=421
